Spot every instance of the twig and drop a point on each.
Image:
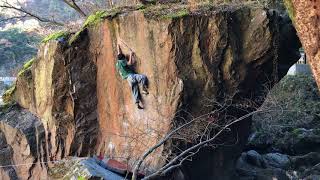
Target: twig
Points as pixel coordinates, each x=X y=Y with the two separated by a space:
x=168 y=165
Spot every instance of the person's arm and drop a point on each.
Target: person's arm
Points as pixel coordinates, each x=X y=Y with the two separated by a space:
x=131 y=58
x=119 y=49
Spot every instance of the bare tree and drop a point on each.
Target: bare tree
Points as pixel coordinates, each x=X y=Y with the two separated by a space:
x=24 y=13
x=199 y=132
x=184 y=155
x=206 y=130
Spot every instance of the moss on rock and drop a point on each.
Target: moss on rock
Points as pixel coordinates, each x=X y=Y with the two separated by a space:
x=55 y=36
x=140 y=7
x=8 y=95
x=290 y=9
x=180 y=13
x=27 y=66
x=93 y=20
x=165 y=11
x=159 y=11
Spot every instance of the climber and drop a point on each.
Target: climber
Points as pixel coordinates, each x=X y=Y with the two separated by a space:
x=126 y=71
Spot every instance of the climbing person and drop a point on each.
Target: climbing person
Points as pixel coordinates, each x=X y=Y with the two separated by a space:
x=125 y=69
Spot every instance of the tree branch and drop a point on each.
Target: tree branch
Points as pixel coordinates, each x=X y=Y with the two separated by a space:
x=26 y=13
x=11 y=18
x=197 y=146
x=162 y=141
x=75 y=6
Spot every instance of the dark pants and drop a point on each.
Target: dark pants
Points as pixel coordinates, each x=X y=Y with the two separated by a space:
x=134 y=81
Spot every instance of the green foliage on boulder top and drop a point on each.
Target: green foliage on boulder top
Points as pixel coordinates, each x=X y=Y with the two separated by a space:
x=93 y=20
x=8 y=95
x=180 y=13
x=140 y=7
x=81 y=178
x=55 y=36
x=27 y=66
x=165 y=11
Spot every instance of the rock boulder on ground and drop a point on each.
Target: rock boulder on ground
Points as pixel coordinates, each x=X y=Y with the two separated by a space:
x=22 y=143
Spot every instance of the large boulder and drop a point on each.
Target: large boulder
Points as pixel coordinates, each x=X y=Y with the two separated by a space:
x=60 y=89
x=225 y=53
x=277 y=160
x=193 y=59
x=22 y=143
x=252 y=165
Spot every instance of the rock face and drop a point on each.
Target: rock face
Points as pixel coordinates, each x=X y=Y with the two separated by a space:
x=85 y=108
x=22 y=143
x=306 y=17
x=187 y=60
x=55 y=92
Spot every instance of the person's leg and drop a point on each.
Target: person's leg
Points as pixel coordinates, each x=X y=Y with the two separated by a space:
x=142 y=79
x=135 y=90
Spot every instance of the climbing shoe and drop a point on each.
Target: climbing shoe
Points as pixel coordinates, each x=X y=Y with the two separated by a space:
x=138 y=105
x=144 y=90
